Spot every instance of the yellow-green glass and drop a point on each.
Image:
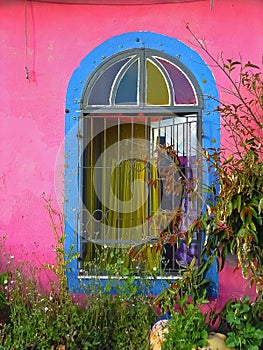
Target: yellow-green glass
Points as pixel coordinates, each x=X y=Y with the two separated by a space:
x=157 y=92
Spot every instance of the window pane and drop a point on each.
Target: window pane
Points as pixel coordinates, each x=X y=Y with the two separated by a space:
x=100 y=93
x=127 y=89
x=183 y=90
x=157 y=88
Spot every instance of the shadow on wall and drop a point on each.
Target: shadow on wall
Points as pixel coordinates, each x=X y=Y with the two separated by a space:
x=232 y=283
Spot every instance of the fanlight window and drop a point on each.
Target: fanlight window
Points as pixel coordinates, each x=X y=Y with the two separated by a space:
x=140 y=126
x=136 y=80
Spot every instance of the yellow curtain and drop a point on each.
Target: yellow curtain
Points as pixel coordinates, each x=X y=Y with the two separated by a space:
x=132 y=222
x=127 y=211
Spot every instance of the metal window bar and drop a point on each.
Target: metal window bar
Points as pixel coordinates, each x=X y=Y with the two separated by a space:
x=183 y=127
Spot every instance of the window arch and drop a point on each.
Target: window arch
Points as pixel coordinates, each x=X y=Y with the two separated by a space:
x=142 y=77
x=140 y=113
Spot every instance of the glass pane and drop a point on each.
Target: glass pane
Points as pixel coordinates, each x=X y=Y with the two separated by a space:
x=156 y=85
x=179 y=135
x=183 y=90
x=127 y=89
x=100 y=93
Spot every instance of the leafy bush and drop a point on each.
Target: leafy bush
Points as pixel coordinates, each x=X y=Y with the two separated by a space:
x=101 y=321
x=97 y=319
x=187 y=328
x=242 y=321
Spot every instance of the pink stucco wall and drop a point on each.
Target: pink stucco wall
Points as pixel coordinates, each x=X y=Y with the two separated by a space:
x=51 y=40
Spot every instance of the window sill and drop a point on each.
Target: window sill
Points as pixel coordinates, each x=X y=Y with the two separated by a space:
x=105 y=277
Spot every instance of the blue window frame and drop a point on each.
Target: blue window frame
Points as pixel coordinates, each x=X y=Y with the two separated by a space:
x=139 y=84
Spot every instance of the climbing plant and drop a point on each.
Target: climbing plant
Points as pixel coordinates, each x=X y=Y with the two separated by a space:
x=233 y=222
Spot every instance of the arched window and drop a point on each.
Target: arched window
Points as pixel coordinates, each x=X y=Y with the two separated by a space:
x=141 y=78
x=141 y=112
x=138 y=163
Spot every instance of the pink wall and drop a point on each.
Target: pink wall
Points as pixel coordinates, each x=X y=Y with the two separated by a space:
x=51 y=40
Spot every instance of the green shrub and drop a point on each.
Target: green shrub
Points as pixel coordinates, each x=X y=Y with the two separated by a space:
x=99 y=321
x=242 y=321
x=187 y=328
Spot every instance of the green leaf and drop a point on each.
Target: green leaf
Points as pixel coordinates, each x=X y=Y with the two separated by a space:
x=246 y=215
x=235 y=63
x=258 y=334
x=251 y=65
x=228 y=160
x=231 y=340
x=254 y=233
x=192 y=264
x=259 y=220
x=246 y=299
x=260 y=206
x=254 y=213
x=239 y=202
x=251 y=141
x=252 y=347
x=125 y=271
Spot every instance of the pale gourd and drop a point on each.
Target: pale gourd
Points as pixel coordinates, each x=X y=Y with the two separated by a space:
x=216 y=341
